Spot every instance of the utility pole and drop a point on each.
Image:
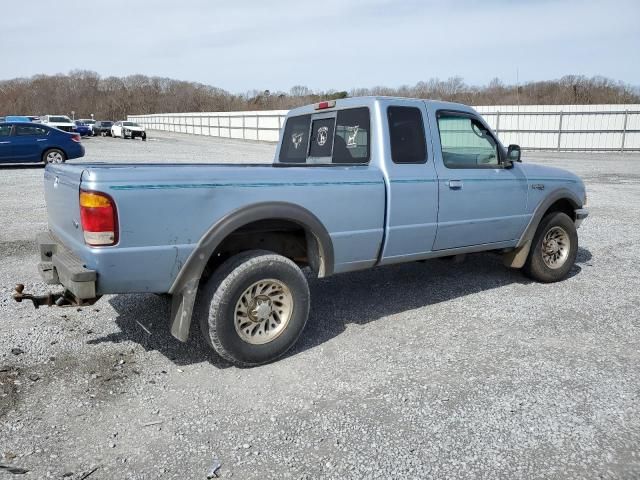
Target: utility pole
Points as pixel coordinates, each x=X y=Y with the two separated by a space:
x=518 y=101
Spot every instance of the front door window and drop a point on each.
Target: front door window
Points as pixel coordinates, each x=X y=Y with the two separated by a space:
x=466 y=143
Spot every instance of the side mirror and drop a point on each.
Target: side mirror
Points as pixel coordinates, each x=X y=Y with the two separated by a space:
x=513 y=153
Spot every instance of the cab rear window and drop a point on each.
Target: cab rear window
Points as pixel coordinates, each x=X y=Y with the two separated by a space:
x=322 y=137
x=339 y=139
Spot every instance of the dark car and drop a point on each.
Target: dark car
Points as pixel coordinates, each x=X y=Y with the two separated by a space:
x=82 y=128
x=22 y=142
x=102 y=128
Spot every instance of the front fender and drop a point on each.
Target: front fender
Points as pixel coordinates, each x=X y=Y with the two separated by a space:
x=517 y=257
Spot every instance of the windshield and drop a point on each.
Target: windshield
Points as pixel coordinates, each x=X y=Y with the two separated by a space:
x=60 y=119
x=106 y=124
x=130 y=124
x=88 y=122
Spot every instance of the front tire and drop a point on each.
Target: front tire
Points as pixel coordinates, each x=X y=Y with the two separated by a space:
x=553 y=249
x=254 y=307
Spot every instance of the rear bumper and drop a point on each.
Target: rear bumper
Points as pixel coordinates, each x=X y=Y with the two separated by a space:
x=59 y=266
x=75 y=150
x=581 y=214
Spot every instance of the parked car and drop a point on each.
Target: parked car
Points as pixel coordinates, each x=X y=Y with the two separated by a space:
x=16 y=118
x=356 y=183
x=35 y=119
x=83 y=129
x=102 y=128
x=90 y=122
x=61 y=122
x=127 y=129
x=22 y=142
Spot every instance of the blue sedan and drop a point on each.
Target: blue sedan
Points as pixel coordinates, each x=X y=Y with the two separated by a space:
x=82 y=128
x=22 y=142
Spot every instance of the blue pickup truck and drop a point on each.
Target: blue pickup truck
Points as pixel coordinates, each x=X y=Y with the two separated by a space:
x=355 y=183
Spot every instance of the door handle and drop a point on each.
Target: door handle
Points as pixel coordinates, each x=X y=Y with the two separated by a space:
x=41 y=139
x=3 y=143
x=455 y=184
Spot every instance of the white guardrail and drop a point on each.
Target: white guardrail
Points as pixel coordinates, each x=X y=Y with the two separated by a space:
x=533 y=127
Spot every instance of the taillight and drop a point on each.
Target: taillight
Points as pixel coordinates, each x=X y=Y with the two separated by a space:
x=75 y=137
x=99 y=219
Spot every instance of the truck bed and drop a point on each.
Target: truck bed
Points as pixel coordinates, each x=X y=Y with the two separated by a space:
x=165 y=209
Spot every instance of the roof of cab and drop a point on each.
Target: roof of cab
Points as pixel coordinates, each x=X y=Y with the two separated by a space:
x=372 y=100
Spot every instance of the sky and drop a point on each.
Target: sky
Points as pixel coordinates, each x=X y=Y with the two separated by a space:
x=323 y=44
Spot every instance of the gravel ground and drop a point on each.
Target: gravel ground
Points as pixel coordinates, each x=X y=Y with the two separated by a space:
x=425 y=370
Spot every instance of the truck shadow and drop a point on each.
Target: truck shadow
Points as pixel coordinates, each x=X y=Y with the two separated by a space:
x=21 y=166
x=362 y=297
x=352 y=298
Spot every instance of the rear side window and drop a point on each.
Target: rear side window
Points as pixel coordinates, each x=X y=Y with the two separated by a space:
x=25 y=130
x=406 y=133
x=341 y=139
x=5 y=130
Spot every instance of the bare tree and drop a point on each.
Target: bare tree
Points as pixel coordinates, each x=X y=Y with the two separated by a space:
x=85 y=92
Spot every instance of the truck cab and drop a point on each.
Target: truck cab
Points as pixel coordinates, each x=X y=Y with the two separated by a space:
x=450 y=185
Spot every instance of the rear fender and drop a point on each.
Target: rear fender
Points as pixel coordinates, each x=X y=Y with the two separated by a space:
x=185 y=286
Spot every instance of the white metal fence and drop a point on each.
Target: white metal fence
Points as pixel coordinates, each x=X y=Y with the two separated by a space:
x=533 y=127
x=567 y=127
x=262 y=125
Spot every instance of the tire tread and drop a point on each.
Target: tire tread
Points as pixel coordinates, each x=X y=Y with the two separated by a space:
x=212 y=294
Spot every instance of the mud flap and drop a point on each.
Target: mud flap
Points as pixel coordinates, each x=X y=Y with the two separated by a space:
x=182 y=310
x=517 y=257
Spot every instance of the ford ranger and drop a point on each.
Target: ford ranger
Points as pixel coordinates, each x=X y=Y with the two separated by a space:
x=355 y=183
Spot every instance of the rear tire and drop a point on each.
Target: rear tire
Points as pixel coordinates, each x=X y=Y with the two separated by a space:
x=253 y=308
x=54 y=155
x=553 y=249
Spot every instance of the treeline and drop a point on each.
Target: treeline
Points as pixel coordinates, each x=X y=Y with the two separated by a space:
x=85 y=92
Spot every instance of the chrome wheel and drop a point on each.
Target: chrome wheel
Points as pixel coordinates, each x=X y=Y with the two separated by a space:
x=54 y=157
x=263 y=311
x=555 y=247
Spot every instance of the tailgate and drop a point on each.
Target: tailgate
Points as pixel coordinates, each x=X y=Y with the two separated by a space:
x=62 y=192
